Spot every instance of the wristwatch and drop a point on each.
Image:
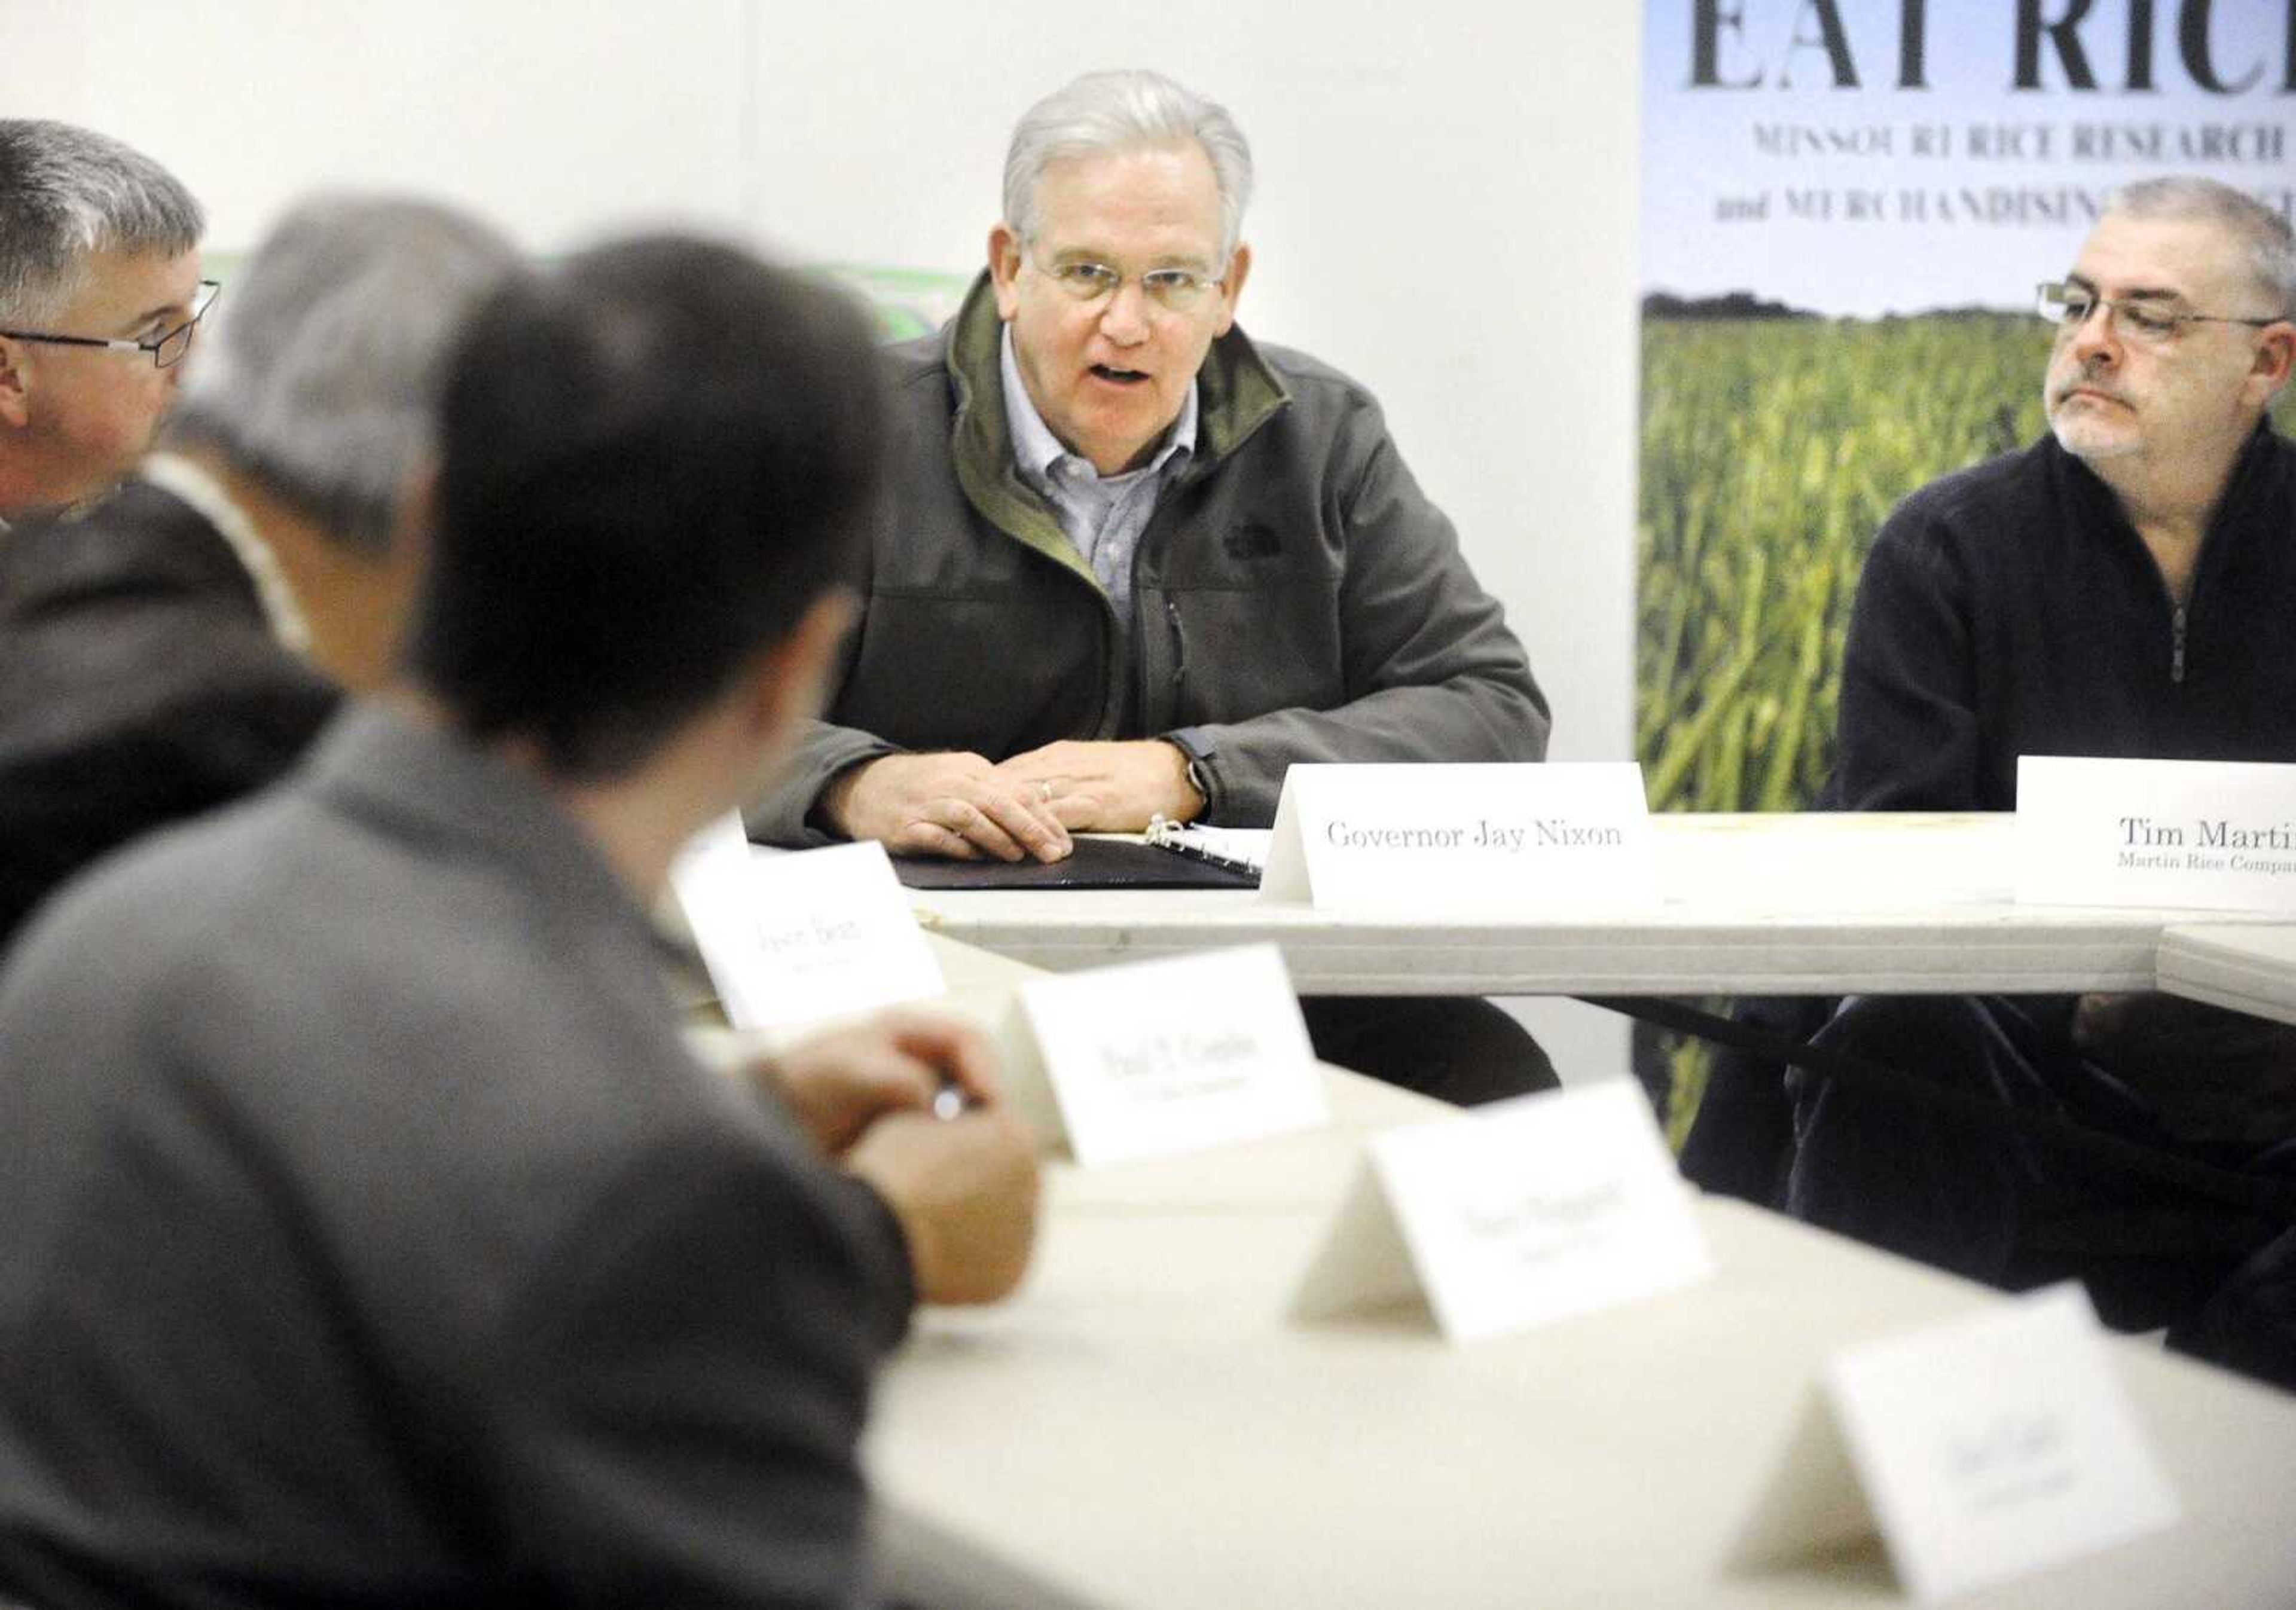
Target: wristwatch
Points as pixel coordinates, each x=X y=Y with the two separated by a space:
x=1195 y=745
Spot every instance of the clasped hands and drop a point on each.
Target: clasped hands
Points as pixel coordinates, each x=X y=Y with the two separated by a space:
x=963 y=806
x=963 y=1189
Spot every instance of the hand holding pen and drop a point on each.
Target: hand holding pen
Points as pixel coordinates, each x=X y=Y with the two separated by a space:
x=840 y=1081
x=910 y=1104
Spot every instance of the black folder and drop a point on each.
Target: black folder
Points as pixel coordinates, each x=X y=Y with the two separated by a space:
x=1097 y=863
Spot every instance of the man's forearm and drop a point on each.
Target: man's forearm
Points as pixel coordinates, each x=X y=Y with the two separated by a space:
x=785 y=812
x=1470 y=718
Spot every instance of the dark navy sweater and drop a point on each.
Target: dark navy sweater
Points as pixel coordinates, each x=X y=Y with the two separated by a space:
x=2011 y=609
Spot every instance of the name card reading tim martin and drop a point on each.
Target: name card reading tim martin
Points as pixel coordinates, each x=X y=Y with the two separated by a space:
x=1518 y=1214
x=1154 y=1057
x=800 y=937
x=2216 y=835
x=1513 y=838
x=1984 y=1449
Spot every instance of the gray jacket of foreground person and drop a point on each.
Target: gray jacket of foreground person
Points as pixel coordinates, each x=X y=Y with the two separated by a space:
x=1296 y=597
x=368 y=1236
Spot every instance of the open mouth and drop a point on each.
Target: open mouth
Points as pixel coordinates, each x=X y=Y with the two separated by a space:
x=1119 y=377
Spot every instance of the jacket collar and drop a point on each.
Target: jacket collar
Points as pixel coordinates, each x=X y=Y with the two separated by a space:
x=1236 y=392
x=418 y=781
x=190 y=484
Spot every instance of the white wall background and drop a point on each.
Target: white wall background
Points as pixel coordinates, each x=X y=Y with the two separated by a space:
x=1447 y=199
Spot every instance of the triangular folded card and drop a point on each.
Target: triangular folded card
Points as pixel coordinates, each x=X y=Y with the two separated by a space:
x=1517 y=1213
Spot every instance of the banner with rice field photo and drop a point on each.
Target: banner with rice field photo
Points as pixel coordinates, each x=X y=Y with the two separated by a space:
x=1846 y=207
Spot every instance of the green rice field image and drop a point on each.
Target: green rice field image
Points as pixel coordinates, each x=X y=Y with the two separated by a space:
x=1772 y=449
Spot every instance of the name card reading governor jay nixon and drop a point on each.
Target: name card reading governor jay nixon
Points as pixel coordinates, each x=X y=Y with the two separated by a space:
x=1511 y=840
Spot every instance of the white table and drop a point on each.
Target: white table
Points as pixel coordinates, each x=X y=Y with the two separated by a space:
x=1815 y=905
x=1142 y=1427
x=2248 y=967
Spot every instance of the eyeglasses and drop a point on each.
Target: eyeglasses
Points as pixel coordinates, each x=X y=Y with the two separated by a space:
x=167 y=348
x=2147 y=320
x=1174 y=290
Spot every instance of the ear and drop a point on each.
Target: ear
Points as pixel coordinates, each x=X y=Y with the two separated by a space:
x=416 y=516
x=15 y=384
x=1239 y=269
x=1004 y=270
x=790 y=679
x=2275 y=357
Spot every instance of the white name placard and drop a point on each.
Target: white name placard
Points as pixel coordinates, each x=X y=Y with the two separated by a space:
x=803 y=936
x=1520 y=1212
x=1509 y=839
x=1984 y=1449
x=2217 y=835
x=1154 y=1057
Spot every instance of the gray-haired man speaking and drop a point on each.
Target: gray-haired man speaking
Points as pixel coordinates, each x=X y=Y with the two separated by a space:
x=100 y=292
x=180 y=644
x=1139 y=565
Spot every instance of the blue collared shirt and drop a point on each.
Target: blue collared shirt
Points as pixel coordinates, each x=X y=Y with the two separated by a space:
x=1103 y=515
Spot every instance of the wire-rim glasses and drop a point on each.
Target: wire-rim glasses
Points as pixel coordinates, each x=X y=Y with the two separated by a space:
x=2147 y=319
x=167 y=348
x=1174 y=290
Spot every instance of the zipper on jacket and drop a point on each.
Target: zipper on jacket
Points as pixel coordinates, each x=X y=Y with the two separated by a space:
x=2176 y=643
x=1179 y=653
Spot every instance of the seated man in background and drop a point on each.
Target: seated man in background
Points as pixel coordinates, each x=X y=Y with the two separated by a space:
x=368 y=1235
x=2117 y=589
x=181 y=644
x=100 y=291
x=1138 y=566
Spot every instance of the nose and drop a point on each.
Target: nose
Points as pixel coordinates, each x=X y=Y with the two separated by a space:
x=1125 y=319
x=2094 y=339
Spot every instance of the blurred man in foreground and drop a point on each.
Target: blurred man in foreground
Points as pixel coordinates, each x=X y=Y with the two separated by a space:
x=370 y=1236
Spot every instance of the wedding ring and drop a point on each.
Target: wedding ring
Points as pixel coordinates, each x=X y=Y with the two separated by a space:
x=1045 y=792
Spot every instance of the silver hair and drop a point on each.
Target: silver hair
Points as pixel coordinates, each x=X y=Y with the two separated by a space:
x=2263 y=234
x=1110 y=112
x=320 y=375
x=66 y=193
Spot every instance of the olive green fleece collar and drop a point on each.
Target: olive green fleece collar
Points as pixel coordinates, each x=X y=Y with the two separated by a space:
x=1236 y=393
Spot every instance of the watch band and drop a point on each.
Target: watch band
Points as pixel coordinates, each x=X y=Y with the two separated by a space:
x=1201 y=781
x=1194 y=750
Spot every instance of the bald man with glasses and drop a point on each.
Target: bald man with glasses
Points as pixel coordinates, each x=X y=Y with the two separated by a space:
x=2121 y=588
x=99 y=297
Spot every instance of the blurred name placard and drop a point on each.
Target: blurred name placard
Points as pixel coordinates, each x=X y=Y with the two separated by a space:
x=1156 y=1057
x=1518 y=1214
x=1982 y=1449
x=800 y=937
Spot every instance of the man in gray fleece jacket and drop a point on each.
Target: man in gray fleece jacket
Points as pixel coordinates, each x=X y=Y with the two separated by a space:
x=1136 y=564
